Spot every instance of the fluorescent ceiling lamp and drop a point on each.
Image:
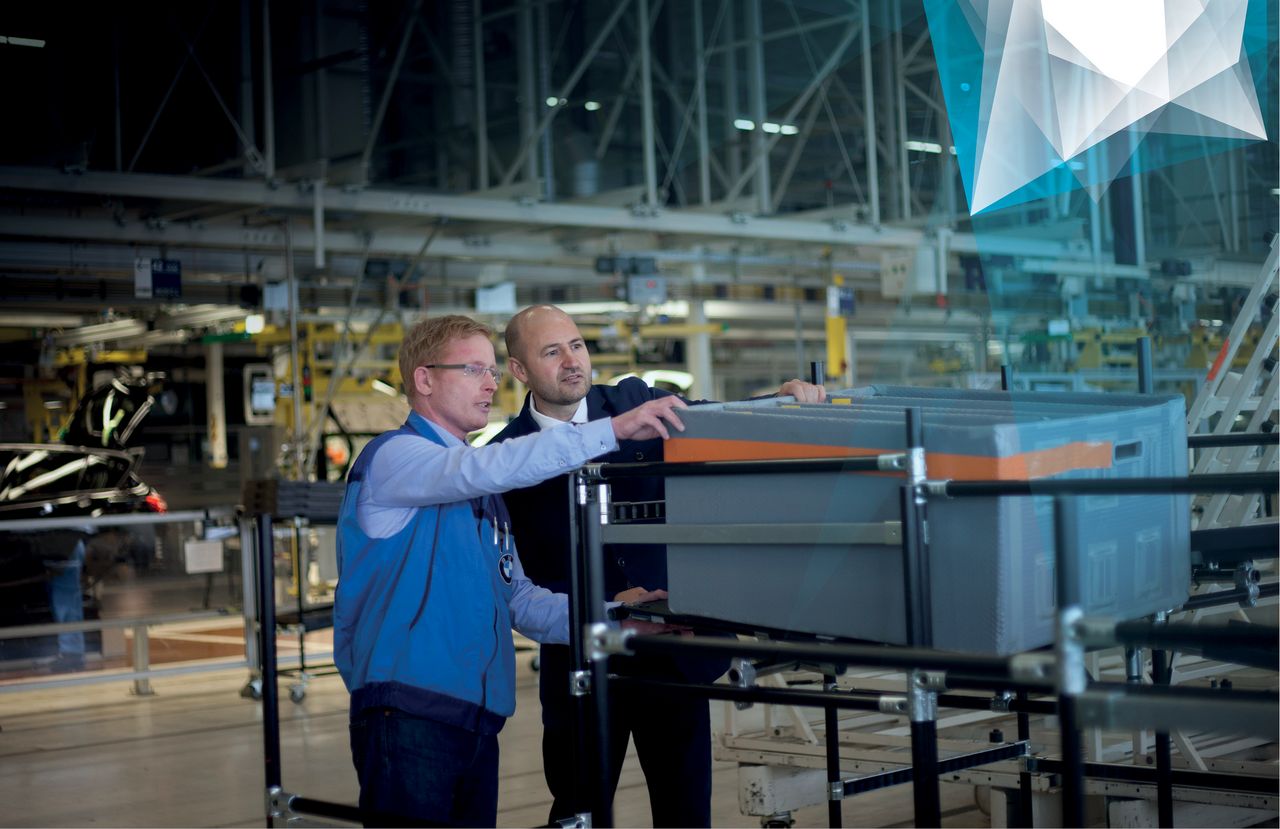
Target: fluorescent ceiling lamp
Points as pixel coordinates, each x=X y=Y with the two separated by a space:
x=101 y=332
x=386 y=388
x=744 y=124
x=604 y=307
x=49 y=320
x=199 y=316
x=770 y=127
x=488 y=433
x=254 y=323
x=552 y=101
x=591 y=106
x=681 y=379
x=22 y=41
x=923 y=146
x=790 y=129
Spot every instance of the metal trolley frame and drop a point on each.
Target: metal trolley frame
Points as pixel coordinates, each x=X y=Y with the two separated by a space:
x=1062 y=673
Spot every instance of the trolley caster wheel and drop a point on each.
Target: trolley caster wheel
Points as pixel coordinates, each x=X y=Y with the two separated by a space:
x=782 y=820
x=297 y=693
x=252 y=690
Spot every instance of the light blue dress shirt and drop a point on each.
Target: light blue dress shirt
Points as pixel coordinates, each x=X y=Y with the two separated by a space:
x=410 y=472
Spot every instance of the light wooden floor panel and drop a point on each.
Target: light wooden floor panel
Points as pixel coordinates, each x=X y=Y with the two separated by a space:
x=191 y=755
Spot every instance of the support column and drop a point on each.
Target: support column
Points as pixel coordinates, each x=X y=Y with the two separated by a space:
x=731 y=102
x=141 y=661
x=1095 y=207
x=759 y=109
x=698 y=345
x=268 y=98
x=528 y=97
x=317 y=221
x=295 y=355
x=481 y=114
x=322 y=92
x=215 y=406
x=1139 y=209
x=646 y=106
x=837 y=333
x=115 y=76
x=247 y=114
x=546 y=147
x=900 y=102
x=869 y=119
x=700 y=82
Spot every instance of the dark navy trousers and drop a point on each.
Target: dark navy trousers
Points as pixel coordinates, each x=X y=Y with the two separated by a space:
x=419 y=772
x=672 y=734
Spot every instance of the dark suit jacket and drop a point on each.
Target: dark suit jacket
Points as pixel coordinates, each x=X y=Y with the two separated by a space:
x=540 y=516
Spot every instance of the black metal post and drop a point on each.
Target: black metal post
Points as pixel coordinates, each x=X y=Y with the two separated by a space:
x=595 y=499
x=1026 y=816
x=1072 y=764
x=697 y=469
x=1233 y=439
x=923 y=704
x=997 y=668
x=1163 y=747
x=1234 y=482
x=1071 y=670
x=1144 y=776
x=817 y=372
x=915 y=554
x=267 y=648
x=1146 y=380
x=583 y=718
x=299 y=568
x=835 y=788
x=1006 y=377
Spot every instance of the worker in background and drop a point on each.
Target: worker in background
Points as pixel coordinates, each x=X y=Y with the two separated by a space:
x=547 y=353
x=431 y=584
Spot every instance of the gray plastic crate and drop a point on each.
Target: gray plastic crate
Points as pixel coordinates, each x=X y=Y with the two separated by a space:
x=991 y=559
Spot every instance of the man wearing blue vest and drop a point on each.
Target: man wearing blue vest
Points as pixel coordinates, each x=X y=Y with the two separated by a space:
x=430 y=583
x=672 y=734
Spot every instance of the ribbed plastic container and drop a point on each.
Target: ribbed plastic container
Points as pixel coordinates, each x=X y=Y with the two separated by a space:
x=991 y=559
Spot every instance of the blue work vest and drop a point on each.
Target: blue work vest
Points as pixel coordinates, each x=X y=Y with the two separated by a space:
x=421 y=620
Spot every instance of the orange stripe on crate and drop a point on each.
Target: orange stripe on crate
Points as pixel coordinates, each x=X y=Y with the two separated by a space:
x=1023 y=466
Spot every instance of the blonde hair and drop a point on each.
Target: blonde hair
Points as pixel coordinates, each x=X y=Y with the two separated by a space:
x=426 y=340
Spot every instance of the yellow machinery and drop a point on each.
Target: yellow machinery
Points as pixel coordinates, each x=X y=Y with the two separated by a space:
x=1100 y=349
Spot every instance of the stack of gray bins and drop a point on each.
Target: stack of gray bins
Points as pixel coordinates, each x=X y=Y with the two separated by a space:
x=991 y=559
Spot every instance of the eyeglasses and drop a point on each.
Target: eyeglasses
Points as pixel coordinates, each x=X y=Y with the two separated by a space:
x=470 y=369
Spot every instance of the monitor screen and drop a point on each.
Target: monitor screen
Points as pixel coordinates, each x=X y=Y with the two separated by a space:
x=262 y=396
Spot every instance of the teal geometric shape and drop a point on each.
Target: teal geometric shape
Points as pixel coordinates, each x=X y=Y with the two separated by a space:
x=975 y=40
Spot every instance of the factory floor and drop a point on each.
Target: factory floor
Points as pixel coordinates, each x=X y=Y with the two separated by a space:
x=191 y=755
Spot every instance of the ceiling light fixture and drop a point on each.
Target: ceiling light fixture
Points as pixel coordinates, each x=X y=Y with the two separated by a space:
x=744 y=124
x=923 y=146
x=34 y=43
x=384 y=387
x=591 y=106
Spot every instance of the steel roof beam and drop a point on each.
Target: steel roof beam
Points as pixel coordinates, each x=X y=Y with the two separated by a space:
x=528 y=213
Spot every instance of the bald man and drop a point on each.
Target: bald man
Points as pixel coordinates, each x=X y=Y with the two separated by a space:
x=547 y=353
